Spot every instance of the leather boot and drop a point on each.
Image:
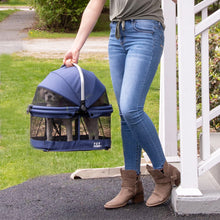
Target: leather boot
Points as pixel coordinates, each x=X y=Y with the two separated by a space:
x=131 y=188
x=164 y=180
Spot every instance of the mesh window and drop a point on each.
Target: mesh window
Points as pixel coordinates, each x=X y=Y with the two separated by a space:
x=52 y=129
x=95 y=128
x=46 y=97
x=56 y=129
x=102 y=101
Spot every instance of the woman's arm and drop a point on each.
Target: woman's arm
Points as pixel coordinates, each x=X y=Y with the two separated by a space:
x=89 y=19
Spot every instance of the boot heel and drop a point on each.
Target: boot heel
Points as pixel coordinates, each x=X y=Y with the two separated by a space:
x=177 y=174
x=138 y=198
x=177 y=181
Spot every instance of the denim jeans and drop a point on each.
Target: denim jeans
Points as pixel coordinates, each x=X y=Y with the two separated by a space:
x=133 y=60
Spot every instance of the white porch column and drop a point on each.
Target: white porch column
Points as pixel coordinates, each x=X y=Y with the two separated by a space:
x=187 y=100
x=168 y=105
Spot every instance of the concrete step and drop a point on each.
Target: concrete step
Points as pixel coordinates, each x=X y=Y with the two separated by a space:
x=207 y=203
x=209 y=185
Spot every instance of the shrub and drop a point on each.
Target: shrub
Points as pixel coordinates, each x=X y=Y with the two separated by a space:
x=59 y=15
x=214 y=75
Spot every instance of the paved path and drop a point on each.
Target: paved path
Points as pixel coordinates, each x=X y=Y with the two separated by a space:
x=22 y=8
x=13 y=29
x=14 y=32
x=56 y=48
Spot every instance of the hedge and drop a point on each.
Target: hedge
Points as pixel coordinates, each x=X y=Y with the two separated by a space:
x=59 y=15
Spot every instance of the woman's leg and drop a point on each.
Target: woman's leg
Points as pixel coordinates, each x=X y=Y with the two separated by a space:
x=133 y=63
x=138 y=75
x=143 y=42
x=117 y=58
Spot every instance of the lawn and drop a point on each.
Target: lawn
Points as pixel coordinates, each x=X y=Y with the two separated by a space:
x=14 y=2
x=19 y=161
x=37 y=33
x=4 y=14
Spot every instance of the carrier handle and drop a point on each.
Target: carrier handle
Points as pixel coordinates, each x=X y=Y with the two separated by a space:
x=83 y=107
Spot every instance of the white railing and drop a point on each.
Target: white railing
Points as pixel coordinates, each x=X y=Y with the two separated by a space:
x=208 y=159
x=168 y=99
x=187 y=30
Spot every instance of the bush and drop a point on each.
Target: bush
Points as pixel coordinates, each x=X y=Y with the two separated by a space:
x=214 y=75
x=59 y=15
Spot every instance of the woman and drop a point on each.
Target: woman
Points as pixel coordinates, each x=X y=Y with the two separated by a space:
x=135 y=47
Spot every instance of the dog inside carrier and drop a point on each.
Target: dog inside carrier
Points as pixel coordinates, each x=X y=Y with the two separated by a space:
x=70 y=112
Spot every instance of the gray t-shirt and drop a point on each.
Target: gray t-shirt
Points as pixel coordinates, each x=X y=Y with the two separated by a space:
x=136 y=9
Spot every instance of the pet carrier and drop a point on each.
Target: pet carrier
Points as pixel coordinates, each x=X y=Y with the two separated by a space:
x=70 y=112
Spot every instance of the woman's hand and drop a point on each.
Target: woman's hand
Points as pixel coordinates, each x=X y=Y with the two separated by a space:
x=71 y=56
x=175 y=1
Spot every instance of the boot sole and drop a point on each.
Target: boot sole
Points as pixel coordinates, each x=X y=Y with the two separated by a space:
x=139 y=198
x=158 y=203
x=115 y=207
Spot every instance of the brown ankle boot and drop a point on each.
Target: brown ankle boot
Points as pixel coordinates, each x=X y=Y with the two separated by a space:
x=131 y=188
x=164 y=180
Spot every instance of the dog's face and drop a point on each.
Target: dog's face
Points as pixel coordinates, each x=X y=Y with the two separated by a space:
x=50 y=98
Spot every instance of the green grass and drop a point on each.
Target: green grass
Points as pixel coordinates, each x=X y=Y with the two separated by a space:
x=4 y=14
x=19 y=161
x=14 y=2
x=32 y=34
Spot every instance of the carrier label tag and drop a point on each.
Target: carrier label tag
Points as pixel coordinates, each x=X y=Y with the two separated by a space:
x=97 y=145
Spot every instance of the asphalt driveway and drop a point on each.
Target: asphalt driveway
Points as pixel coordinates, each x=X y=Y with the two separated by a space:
x=61 y=198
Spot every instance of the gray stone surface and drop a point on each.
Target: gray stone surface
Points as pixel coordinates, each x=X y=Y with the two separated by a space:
x=59 y=197
x=14 y=29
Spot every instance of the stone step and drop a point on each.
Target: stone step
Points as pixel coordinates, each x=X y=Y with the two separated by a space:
x=207 y=203
x=209 y=185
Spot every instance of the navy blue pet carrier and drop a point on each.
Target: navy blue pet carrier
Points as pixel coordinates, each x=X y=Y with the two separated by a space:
x=70 y=112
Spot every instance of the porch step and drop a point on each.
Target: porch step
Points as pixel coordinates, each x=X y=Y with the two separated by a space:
x=208 y=203
x=209 y=185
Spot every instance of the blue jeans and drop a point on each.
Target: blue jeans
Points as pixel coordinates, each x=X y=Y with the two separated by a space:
x=133 y=60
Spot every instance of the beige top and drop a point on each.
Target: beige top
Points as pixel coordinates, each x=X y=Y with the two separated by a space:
x=121 y=10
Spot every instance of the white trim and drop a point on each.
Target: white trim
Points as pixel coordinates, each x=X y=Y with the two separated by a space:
x=168 y=98
x=188 y=192
x=205 y=148
x=209 y=163
x=187 y=95
x=212 y=114
x=204 y=4
x=207 y=23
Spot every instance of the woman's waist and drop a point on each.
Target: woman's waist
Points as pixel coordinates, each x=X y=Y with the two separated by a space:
x=128 y=22
x=123 y=27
